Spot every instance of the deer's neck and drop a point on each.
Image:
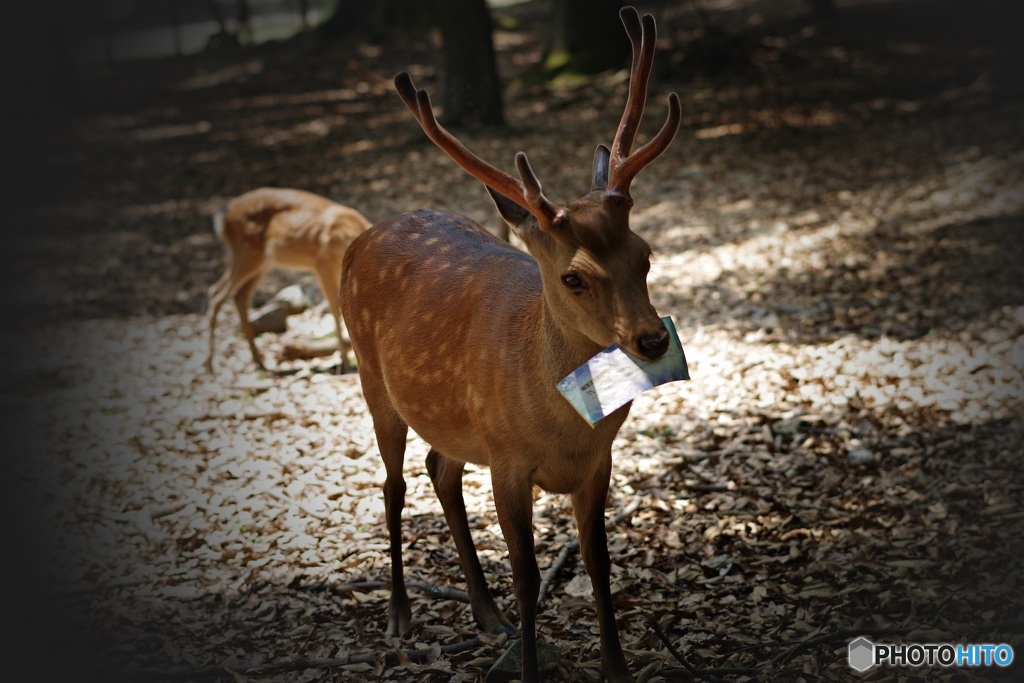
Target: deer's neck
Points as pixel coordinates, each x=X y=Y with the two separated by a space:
x=563 y=348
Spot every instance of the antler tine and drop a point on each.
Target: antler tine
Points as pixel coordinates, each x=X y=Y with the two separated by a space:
x=418 y=101
x=642 y=36
x=407 y=91
x=628 y=169
x=532 y=190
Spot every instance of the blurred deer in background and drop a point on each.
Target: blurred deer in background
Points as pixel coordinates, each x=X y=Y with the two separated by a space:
x=463 y=338
x=269 y=228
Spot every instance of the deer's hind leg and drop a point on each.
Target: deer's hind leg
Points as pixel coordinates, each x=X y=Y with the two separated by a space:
x=240 y=279
x=216 y=296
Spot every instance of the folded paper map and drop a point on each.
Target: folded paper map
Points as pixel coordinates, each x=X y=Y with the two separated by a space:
x=613 y=377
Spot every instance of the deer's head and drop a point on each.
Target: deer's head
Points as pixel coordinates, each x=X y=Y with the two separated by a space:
x=593 y=266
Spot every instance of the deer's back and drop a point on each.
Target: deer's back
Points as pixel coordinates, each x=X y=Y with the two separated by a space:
x=438 y=274
x=294 y=228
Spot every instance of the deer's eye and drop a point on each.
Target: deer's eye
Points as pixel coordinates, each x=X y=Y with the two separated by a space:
x=574 y=282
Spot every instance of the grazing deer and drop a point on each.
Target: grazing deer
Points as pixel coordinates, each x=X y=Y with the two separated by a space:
x=463 y=338
x=272 y=227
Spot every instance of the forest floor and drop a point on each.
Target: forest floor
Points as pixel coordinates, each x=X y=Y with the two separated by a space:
x=837 y=232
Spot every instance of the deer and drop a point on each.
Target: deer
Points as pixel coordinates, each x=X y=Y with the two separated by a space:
x=468 y=344
x=274 y=227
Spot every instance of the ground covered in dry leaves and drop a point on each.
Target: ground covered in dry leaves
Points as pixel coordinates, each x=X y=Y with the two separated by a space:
x=837 y=234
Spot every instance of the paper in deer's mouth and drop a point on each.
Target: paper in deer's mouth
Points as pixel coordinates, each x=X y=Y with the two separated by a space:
x=613 y=377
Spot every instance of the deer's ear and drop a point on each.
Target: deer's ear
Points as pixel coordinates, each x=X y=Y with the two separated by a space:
x=601 y=158
x=511 y=212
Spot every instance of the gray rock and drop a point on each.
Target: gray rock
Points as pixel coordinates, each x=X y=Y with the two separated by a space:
x=860 y=456
x=273 y=315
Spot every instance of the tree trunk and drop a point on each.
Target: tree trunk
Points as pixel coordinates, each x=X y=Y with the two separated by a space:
x=472 y=91
x=175 y=19
x=823 y=9
x=373 y=21
x=245 y=34
x=587 y=37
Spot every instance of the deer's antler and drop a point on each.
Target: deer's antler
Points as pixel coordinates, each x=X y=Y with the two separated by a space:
x=623 y=165
x=527 y=193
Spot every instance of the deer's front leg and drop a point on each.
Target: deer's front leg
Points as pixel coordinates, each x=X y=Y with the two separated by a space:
x=328 y=274
x=446 y=475
x=513 y=500
x=588 y=505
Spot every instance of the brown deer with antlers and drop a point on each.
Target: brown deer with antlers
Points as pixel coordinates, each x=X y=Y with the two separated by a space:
x=463 y=338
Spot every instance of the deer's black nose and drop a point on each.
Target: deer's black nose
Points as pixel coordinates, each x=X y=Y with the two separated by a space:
x=653 y=345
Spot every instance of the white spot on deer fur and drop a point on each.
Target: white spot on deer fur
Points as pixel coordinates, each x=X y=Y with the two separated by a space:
x=476 y=400
x=329 y=214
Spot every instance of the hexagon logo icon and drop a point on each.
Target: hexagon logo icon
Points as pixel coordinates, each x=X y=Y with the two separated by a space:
x=861 y=654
